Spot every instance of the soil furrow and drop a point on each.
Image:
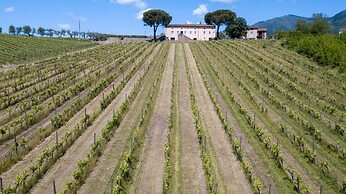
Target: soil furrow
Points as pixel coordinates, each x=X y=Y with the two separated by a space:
x=150 y=177
x=63 y=168
x=193 y=180
x=231 y=179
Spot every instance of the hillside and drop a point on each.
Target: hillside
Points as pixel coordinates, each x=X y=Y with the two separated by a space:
x=18 y=49
x=288 y=22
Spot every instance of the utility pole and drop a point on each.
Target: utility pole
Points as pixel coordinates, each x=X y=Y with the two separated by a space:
x=79 y=29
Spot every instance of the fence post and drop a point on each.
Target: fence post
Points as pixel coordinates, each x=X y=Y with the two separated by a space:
x=270 y=189
x=240 y=140
x=321 y=190
x=54 y=188
x=56 y=137
x=15 y=144
x=0 y=184
x=112 y=186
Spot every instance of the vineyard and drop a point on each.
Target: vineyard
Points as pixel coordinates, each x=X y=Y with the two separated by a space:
x=19 y=49
x=193 y=117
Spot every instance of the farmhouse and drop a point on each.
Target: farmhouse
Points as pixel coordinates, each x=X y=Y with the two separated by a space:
x=254 y=32
x=342 y=30
x=190 y=32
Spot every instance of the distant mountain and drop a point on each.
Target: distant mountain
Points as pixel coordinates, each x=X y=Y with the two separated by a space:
x=288 y=22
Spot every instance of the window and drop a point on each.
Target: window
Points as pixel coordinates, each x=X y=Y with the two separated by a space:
x=190 y=32
x=195 y=32
x=177 y=32
x=209 y=32
x=172 y=32
x=203 y=32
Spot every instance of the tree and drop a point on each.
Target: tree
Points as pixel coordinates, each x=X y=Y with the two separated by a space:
x=19 y=30
x=62 y=32
x=41 y=31
x=155 y=18
x=50 y=32
x=33 y=31
x=69 y=33
x=320 y=24
x=0 y=30
x=238 y=29
x=27 y=30
x=219 y=18
x=302 y=26
x=12 y=30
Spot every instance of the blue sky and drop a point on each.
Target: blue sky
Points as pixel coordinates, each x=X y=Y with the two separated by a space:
x=123 y=16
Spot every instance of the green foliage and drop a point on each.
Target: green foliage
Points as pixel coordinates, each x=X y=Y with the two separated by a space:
x=237 y=29
x=11 y=29
x=326 y=49
x=219 y=18
x=18 y=49
x=319 y=25
x=41 y=31
x=155 y=18
x=19 y=30
x=27 y=30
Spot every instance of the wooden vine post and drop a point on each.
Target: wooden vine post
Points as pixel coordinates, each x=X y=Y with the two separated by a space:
x=54 y=187
x=0 y=184
x=270 y=189
x=56 y=137
x=15 y=144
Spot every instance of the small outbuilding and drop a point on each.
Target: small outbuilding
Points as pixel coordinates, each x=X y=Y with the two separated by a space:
x=255 y=32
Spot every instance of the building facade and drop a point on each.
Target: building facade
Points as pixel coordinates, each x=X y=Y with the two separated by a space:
x=190 y=32
x=342 y=30
x=254 y=32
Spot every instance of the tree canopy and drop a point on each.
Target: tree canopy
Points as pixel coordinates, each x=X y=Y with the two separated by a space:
x=27 y=30
x=319 y=25
x=237 y=29
x=219 y=18
x=155 y=18
x=41 y=31
x=11 y=29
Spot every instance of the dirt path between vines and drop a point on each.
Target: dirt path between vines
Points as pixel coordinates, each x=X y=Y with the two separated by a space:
x=32 y=131
x=149 y=178
x=63 y=168
x=94 y=105
x=267 y=130
x=231 y=178
x=193 y=180
x=99 y=179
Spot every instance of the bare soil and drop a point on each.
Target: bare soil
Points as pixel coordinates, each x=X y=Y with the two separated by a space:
x=231 y=178
x=63 y=168
x=149 y=179
x=193 y=180
x=98 y=180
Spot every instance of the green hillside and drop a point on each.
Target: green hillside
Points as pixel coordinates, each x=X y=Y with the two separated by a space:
x=288 y=22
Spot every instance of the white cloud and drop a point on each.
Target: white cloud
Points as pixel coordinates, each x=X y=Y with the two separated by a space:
x=138 y=3
x=188 y=22
x=140 y=13
x=64 y=26
x=202 y=9
x=77 y=17
x=9 y=9
x=224 y=1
